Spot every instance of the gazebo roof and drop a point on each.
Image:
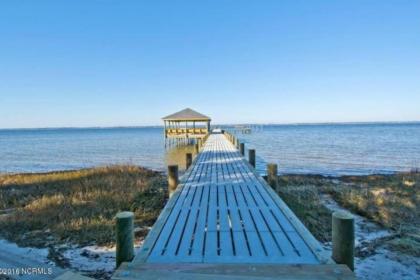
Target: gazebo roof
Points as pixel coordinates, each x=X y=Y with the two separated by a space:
x=187 y=115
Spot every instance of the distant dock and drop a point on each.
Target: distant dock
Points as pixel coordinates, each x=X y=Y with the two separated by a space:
x=185 y=125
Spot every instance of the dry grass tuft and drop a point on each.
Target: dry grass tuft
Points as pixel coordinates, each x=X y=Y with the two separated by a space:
x=389 y=200
x=77 y=206
x=386 y=199
x=302 y=196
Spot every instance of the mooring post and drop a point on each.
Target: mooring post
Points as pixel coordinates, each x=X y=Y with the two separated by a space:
x=188 y=160
x=242 y=149
x=172 y=179
x=343 y=238
x=272 y=175
x=251 y=157
x=196 y=149
x=125 y=237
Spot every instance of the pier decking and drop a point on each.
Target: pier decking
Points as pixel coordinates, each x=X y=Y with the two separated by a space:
x=223 y=219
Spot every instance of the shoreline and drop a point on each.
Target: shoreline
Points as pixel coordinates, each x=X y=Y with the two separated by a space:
x=62 y=171
x=308 y=174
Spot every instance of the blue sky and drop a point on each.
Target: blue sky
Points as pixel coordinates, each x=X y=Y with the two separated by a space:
x=111 y=63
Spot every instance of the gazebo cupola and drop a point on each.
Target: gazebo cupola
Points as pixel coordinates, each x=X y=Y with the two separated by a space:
x=186 y=124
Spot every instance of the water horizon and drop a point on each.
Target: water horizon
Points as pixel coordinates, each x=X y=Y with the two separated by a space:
x=219 y=124
x=325 y=149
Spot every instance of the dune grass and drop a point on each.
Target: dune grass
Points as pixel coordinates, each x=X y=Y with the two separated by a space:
x=389 y=200
x=77 y=206
x=305 y=202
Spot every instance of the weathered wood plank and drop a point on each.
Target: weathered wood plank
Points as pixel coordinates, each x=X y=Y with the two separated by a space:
x=235 y=271
x=223 y=212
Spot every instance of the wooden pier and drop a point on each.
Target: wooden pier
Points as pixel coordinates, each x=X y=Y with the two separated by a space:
x=224 y=221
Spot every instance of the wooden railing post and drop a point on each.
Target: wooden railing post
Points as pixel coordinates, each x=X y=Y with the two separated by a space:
x=242 y=149
x=173 y=179
x=343 y=238
x=251 y=157
x=272 y=175
x=188 y=160
x=125 y=237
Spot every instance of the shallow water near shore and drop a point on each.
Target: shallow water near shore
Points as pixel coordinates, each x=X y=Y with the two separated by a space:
x=330 y=149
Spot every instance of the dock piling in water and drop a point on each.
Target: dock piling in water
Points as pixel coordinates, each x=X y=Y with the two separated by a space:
x=272 y=175
x=188 y=160
x=251 y=156
x=343 y=238
x=242 y=148
x=125 y=237
x=173 y=179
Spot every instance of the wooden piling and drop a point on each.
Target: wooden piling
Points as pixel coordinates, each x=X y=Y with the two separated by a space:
x=343 y=238
x=251 y=157
x=173 y=179
x=242 y=149
x=196 y=149
x=188 y=160
x=125 y=237
x=272 y=175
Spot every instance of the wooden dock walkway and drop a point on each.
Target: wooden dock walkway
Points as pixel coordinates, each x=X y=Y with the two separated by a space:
x=224 y=220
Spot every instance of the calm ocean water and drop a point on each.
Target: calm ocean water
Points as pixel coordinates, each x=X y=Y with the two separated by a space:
x=319 y=149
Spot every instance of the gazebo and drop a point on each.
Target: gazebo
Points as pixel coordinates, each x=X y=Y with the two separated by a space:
x=186 y=124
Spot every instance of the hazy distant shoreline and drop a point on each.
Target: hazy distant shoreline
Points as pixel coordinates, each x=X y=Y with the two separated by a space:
x=223 y=125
